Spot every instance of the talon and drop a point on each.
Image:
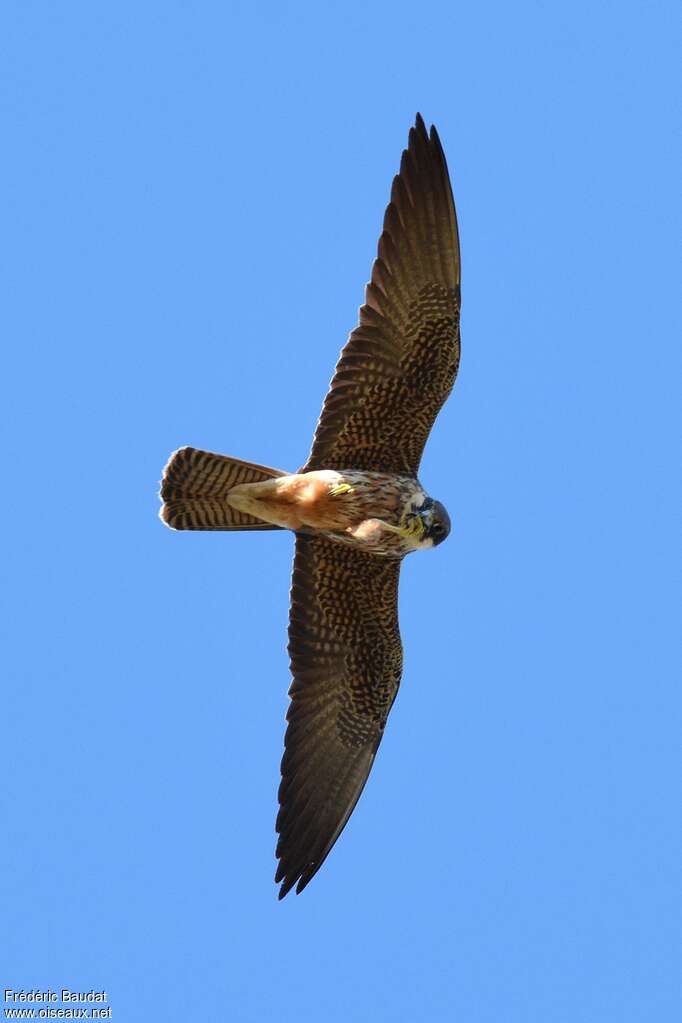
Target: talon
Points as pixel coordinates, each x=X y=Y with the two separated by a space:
x=341 y=488
x=411 y=525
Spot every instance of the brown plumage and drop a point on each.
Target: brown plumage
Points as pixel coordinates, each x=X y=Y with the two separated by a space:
x=357 y=509
x=400 y=362
x=195 y=486
x=346 y=659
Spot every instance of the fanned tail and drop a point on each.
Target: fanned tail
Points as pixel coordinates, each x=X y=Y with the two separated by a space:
x=195 y=485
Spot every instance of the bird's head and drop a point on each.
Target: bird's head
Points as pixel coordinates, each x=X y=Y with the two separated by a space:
x=436 y=522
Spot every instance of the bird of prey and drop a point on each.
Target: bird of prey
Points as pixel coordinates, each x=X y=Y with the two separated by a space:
x=356 y=507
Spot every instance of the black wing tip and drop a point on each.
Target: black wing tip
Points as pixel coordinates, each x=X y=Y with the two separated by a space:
x=429 y=136
x=288 y=879
x=285 y=888
x=299 y=878
x=419 y=131
x=420 y=128
x=424 y=153
x=436 y=155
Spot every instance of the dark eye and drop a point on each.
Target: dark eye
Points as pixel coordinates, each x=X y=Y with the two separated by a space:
x=437 y=529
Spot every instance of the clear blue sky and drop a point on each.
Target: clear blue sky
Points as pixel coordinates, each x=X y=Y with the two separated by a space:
x=192 y=198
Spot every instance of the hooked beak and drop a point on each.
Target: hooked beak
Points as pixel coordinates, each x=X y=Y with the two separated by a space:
x=426 y=513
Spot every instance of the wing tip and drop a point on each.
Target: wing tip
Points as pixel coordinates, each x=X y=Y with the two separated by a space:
x=429 y=136
x=419 y=130
x=284 y=888
x=300 y=879
x=287 y=878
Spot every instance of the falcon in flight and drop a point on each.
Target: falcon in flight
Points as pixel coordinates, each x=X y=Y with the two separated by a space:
x=356 y=507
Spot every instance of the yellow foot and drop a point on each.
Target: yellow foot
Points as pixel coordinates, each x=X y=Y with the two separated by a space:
x=342 y=488
x=412 y=525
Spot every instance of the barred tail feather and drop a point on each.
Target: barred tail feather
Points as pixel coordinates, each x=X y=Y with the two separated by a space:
x=194 y=487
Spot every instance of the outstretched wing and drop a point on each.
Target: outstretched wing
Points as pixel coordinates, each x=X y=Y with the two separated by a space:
x=400 y=362
x=346 y=661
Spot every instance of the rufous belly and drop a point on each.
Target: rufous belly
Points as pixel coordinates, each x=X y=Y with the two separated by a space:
x=299 y=501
